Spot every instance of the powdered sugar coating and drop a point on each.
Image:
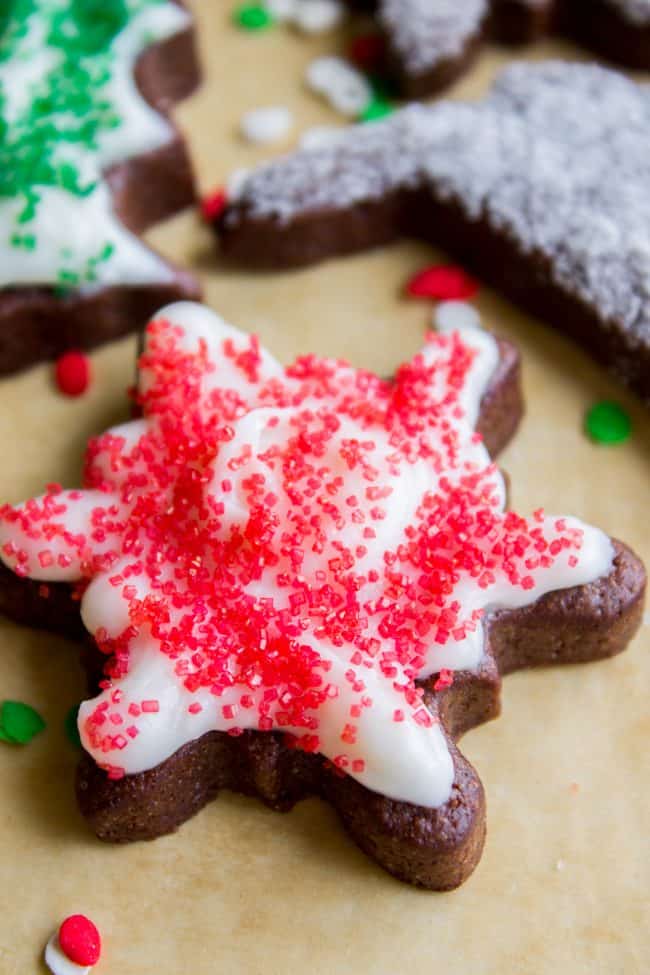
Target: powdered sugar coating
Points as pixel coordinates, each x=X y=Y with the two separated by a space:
x=636 y=11
x=424 y=33
x=556 y=157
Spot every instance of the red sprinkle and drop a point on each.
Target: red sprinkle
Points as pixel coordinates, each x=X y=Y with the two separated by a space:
x=367 y=51
x=80 y=940
x=445 y=679
x=443 y=283
x=213 y=205
x=72 y=372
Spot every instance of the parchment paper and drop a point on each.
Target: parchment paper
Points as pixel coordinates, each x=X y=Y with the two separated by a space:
x=563 y=885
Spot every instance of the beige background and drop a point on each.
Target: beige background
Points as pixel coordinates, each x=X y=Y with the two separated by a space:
x=563 y=885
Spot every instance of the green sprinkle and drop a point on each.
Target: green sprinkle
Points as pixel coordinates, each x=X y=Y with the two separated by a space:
x=608 y=423
x=70 y=726
x=377 y=108
x=19 y=722
x=252 y=16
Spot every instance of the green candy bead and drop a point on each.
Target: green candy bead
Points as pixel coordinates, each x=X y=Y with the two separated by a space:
x=20 y=722
x=252 y=16
x=608 y=423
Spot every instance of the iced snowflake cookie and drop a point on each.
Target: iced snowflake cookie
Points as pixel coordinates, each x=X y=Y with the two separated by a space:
x=541 y=188
x=303 y=581
x=430 y=44
x=88 y=160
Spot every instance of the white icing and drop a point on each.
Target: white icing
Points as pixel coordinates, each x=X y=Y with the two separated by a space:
x=75 y=233
x=265 y=125
x=59 y=963
x=405 y=759
x=72 y=229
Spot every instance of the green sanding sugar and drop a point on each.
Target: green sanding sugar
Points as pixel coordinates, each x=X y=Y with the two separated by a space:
x=70 y=726
x=608 y=423
x=49 y=139
x=252 y=16
x=19 y=722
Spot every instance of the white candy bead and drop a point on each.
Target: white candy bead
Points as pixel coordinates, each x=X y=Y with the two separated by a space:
x=450 y=316
x=345 y=88
x=263 y=125
x=59 y=963
x=317 y=16
x=320 y=136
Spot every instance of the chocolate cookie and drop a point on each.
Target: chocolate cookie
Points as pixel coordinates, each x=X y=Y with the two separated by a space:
x=303 y=581
x=541 y=188
x=429 y=45
x=88 y=160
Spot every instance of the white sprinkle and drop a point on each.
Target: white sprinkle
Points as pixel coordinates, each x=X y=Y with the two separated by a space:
x=318 y=16
x=646 y=619
x=345 y=88
x=452 y=315
x=60 y=964
x=308 y=16
x=263 y=125
x=560 y=865
x=319 y=136
x=281 y=10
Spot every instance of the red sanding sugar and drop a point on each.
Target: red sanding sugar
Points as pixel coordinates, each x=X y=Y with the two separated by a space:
x=443 y=282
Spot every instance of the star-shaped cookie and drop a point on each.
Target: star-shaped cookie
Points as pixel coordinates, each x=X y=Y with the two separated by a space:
x=304 y=579
x=541 y=188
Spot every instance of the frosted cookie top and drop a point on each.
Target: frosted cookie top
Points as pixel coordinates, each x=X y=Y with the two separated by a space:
x=292 y=549
x=69 y=109
x=425 y=33
x=556 y=158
